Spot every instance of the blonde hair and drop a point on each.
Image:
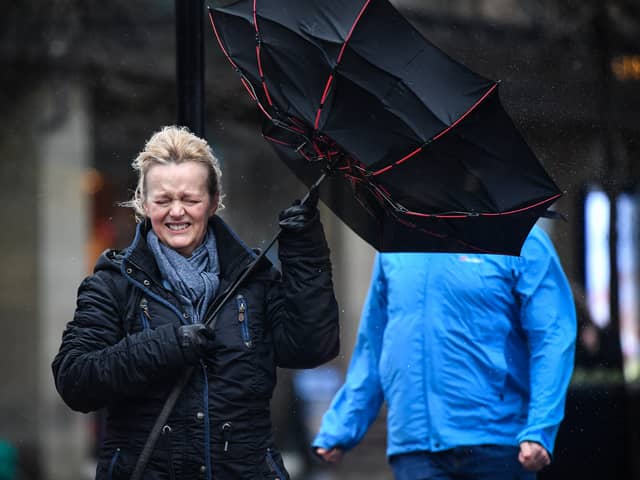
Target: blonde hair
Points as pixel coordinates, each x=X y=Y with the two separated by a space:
x=172 y=144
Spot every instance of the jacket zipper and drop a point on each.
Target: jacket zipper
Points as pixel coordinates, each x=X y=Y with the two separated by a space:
x=274 y=466
x=145 y=316
x=226 y=435
x=243 y=320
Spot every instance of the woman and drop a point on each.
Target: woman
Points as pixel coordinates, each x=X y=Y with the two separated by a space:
x=138 y=325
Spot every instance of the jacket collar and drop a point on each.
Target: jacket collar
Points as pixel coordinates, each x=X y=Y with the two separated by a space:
x=233 y=254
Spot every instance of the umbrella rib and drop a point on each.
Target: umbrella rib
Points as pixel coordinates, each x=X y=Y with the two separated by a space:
x=398 y=207
x=439 y=135
x=327 y=87
x=258 y=54
x=485 y=214
x=243 y=79
x=439 y=235
x=222 y=47
x=523 y=209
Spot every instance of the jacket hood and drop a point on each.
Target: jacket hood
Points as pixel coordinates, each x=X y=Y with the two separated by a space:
x=109 y=260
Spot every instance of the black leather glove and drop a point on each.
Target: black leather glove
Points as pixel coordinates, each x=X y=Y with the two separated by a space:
x=299 y=216
x=196 y=341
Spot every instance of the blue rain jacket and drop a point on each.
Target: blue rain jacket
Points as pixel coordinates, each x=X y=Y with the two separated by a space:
x=465 y=349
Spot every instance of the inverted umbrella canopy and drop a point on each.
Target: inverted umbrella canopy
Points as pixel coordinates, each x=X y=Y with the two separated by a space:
x=421 y=155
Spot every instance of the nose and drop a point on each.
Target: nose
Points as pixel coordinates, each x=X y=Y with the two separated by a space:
x=177 y=210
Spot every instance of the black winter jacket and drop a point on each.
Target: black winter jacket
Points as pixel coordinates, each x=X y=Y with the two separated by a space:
x=120 y=351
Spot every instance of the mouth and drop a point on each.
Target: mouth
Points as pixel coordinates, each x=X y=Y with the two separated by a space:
x=177 y=227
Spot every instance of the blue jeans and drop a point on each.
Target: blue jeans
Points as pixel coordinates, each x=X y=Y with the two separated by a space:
x=478 y=462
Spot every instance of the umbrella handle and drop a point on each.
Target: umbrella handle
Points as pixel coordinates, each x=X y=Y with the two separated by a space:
x=210 y=321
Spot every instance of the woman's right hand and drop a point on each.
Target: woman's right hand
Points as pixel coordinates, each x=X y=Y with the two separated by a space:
x=331 y=455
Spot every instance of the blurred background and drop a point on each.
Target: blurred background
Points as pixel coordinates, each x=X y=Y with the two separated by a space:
x=84 y=83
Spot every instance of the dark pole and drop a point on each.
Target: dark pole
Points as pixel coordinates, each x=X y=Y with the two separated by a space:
x=612 y=171
x=190 y=64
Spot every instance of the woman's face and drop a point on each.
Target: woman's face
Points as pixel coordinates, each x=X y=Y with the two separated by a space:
x=179 y=205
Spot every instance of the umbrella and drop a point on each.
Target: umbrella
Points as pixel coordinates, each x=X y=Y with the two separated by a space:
x=419 y=153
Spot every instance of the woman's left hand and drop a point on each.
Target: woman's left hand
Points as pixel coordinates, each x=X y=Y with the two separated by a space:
x=300 y=215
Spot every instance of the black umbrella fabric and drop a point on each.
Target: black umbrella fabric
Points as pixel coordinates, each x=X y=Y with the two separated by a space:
x=420 y=153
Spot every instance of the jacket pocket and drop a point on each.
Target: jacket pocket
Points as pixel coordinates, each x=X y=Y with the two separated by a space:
x=115 y=464
x=243 y=320
x=145 y=316
x=167 y=432
x=112 y=464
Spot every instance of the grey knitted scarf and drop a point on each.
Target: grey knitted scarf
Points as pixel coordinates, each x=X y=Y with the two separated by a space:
x=194 y=280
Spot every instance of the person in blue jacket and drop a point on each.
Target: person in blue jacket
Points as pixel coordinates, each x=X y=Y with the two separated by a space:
x=473 y=355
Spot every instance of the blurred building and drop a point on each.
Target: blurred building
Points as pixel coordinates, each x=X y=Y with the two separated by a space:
x=83 y=84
